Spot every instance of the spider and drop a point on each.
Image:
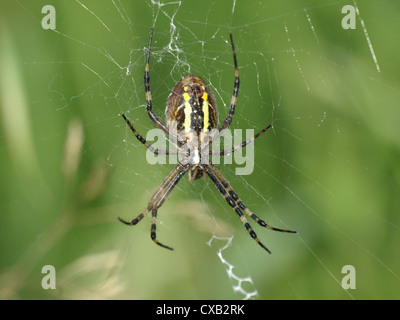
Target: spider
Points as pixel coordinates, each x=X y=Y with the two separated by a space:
x=191 y=114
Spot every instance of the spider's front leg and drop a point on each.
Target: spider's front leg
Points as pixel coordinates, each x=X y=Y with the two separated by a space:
x=221 y=188
x=158 y=199
x=241 y=205
x=237 y=205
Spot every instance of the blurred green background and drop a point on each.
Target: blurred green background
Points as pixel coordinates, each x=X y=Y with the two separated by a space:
x=70 y=166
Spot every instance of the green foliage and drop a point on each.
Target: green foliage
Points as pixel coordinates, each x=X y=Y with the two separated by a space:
x=70 y=166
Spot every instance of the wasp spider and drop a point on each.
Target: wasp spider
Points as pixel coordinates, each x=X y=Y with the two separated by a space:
x=192 y=110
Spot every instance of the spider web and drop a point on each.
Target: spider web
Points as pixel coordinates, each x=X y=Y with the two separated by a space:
x=328 y=167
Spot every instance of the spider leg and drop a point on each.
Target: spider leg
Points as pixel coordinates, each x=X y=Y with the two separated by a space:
x=221 y=188
x=142 y=140
x=153 y=230
x=149 y=101
x=240 y=204
x=240 y=146
x=136 y=220
x=228 y=120
x=158 y=199
x=152 y=115
x=164 y=190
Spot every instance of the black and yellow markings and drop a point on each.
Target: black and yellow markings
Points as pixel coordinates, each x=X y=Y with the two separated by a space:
x=206 y=116
x=192 y=106
x=188 y=109
x=196 y=109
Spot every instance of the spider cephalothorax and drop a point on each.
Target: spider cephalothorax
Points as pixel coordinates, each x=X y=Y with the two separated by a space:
x=192 y=117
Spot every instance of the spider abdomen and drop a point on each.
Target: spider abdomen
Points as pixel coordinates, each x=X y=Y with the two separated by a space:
x=191 y=106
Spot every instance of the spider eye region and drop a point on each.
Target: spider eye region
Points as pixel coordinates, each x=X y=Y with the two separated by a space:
x=191 y=106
